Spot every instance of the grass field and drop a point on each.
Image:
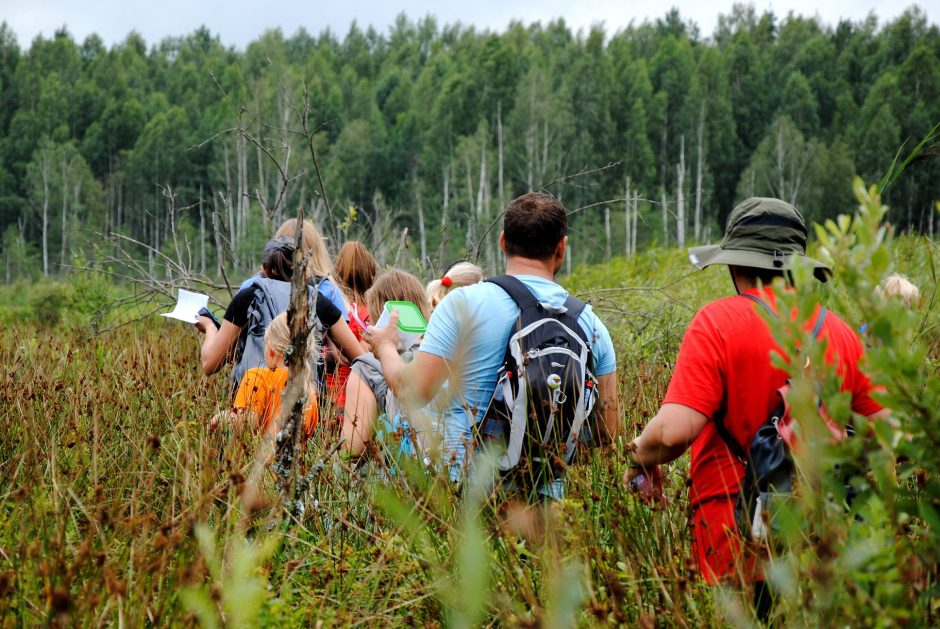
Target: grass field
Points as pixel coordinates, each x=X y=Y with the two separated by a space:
x=118 y=505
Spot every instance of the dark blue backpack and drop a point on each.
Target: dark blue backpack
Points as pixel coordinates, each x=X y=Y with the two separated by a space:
x=545 y=389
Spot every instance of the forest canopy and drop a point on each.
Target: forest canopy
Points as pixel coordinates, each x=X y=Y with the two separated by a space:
x=654 y=129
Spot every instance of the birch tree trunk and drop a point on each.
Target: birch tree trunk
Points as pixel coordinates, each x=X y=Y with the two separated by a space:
x=444 y=216
x=680 y=194
x=698 y=173
x=482 y=182
x=665 y=207
x=500 y=191
x=202 y=234
x=607 y=232
x=44 y=170
x=65 y=197
x=421 y=233
x=627 y=217
x=636 y=219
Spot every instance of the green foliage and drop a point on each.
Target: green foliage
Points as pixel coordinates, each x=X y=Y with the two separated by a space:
x=47 y=302
x=121 y=500
x=398 y=120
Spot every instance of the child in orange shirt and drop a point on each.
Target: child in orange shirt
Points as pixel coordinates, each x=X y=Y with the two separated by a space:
x=258 y=400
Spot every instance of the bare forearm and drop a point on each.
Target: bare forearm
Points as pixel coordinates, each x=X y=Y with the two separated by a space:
x=652 y=451
x=668 y=435
x=207 y=356
x=607 y=428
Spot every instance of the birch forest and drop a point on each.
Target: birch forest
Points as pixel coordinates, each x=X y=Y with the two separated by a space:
x=413 y=139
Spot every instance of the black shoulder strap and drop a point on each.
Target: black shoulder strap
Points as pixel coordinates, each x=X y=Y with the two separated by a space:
x=819 y=322
x=736 y=449
x=574 y=306
x=515 y=289
x=719 y=418
x=817 y=328
x=760 y=301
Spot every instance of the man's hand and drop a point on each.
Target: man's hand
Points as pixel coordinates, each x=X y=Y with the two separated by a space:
x=382 y=338
x=646 y=482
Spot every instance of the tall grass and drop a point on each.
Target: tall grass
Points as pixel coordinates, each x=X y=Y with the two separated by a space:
x=120 y=505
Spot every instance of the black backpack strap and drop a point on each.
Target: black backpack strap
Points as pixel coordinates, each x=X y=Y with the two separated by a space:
x=575 y=307
x=736 y=449
x=515 y=289
x=762 y=303
x=819 y=322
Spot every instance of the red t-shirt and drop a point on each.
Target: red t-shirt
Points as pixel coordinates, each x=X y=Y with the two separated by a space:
x=336 y=382
x=726 y=355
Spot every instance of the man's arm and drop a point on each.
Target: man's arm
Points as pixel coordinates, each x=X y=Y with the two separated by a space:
x=415 y=383
x=608 y=428
x=668 y=435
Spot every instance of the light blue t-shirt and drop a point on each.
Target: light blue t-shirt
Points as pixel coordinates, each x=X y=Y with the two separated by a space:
x=471 y=327
x=325 y=287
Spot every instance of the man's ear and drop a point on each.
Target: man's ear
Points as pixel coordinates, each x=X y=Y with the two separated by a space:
x=502 y=241
x=561 y=248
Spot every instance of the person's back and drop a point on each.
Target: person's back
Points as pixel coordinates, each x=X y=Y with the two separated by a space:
x=471 y=327
x=724 y=377
x=467 y=335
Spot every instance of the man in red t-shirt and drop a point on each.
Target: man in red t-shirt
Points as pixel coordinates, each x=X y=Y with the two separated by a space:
x=725 y=359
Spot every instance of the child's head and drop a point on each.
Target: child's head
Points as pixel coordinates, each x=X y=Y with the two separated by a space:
x=461 y=274
x=276 y=341
x=900 y=287
x=277 y=260
x=313 y=245
x=355 y=270
x=395 y=285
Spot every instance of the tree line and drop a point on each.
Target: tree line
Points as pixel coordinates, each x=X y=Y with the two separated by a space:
x=413 y=139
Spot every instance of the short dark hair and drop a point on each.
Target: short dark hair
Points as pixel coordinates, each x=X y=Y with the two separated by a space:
x=533 y=225
x=766 y=277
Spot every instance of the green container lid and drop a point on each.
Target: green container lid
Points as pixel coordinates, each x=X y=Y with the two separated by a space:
x=410 y=319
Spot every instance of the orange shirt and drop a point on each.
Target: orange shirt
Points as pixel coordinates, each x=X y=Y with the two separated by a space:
x=260 y=391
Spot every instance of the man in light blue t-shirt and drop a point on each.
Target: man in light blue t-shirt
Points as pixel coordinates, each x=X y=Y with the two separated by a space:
x=468 y=332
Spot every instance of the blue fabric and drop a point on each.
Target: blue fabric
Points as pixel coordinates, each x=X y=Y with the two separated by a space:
x=471 y=328
x=326 y=288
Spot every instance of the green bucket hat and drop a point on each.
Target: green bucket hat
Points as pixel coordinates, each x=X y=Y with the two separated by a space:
x=762 y=233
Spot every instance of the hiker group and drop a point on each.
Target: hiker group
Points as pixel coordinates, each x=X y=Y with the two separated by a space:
x=514 y=370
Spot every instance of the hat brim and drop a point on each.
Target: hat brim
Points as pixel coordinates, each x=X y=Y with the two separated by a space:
x=707 y=255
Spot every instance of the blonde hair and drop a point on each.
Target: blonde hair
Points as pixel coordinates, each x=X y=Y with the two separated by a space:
x=277 y=337
x=396 y=285
x=313 y=245
x=461 y=274
x=898 y=286
x=355 y=271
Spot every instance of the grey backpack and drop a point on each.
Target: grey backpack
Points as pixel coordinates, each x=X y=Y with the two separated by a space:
x=271 y=299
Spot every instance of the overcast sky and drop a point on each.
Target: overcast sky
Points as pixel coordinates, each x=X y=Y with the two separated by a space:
x=238 y=22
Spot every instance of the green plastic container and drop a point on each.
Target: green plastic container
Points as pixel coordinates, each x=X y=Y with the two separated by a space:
x=411 y=323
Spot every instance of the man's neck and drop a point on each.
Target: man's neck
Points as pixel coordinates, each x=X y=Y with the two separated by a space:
x=516 y=265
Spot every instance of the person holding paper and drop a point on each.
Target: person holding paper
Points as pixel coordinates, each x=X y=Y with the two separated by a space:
x=269 y=294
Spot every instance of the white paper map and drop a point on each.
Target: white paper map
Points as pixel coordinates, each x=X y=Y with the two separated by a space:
x=187 y=306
